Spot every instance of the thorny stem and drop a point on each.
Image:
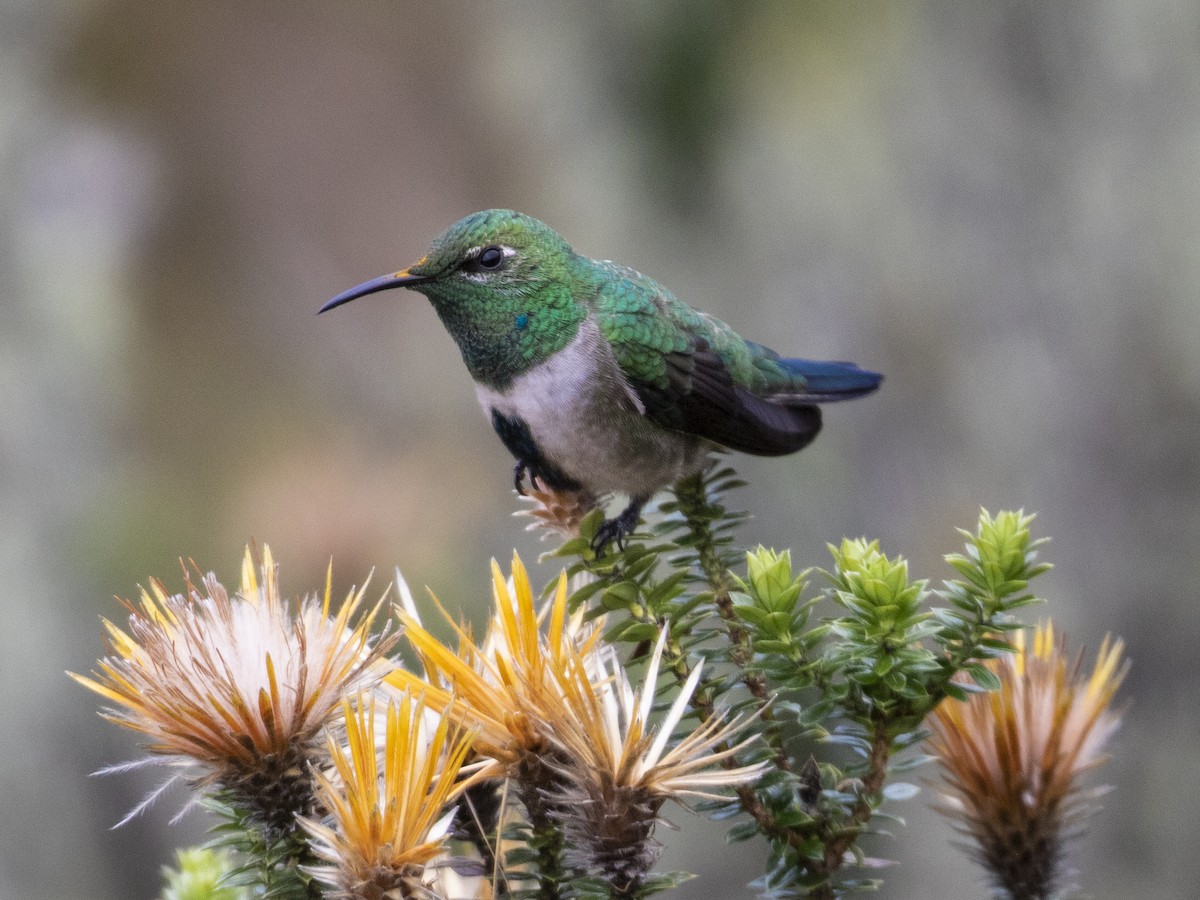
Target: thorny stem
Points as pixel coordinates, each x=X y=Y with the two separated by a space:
x=698 y=514
x=694 y=504
x=549 y=839
x=838 y=840
x=533 y=778
x=266 y=834
x=283 y=876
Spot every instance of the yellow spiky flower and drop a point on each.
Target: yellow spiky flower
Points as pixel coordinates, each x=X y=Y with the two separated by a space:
x=498 y=686
x=622 y=769
x=493 y=684
x=388 y=798
x=1012 y=759
x=237 y=690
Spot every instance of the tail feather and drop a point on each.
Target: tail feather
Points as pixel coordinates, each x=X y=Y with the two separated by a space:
x=826 y=382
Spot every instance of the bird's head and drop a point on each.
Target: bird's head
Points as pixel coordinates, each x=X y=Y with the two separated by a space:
x=496 y=257
x=503 y=284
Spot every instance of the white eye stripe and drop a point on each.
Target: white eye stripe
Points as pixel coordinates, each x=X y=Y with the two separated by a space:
x=473 y=252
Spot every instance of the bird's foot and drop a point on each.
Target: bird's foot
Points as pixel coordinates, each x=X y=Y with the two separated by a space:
x=617 y=528
x=519 y=471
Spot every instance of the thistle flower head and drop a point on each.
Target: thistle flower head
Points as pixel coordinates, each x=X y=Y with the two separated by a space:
x=1012 y=759
x=494 y=684
x=238 y=688
x=621 y=769
x=388 y=797
x=605 y=725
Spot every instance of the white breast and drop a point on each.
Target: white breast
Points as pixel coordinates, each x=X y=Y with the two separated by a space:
x=588 y=422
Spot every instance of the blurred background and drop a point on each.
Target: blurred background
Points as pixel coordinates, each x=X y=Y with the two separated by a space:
x=996 y=204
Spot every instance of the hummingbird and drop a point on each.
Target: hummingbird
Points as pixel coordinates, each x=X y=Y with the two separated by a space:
x=594 y=376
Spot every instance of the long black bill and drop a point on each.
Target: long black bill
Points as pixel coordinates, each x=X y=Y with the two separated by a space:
x=383 y=283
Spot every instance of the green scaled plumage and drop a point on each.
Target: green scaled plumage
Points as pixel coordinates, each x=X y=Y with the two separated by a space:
x=481 y=312
x=595 y=376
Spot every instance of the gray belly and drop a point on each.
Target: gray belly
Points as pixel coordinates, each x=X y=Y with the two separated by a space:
x=587 y=422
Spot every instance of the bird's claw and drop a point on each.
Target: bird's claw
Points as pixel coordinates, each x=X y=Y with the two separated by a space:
x=616 y=529
x=609 y=531
x=519 y=471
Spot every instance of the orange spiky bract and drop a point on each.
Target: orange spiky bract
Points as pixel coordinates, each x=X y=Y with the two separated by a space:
x=554 y=511
x=1012 y=759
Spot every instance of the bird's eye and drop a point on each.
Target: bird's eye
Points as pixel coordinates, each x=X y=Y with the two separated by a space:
x=490 y=258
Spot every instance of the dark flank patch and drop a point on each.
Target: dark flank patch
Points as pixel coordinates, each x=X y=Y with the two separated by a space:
x=516 y=437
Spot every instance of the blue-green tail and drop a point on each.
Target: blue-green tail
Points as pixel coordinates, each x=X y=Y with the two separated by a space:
x=826 y=382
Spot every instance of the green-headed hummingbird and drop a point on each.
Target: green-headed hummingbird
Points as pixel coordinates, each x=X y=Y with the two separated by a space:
x=596 y=377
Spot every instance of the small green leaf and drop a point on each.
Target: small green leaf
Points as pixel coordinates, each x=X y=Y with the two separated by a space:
x=638 y=631
x=752 y=614
x=984 y=677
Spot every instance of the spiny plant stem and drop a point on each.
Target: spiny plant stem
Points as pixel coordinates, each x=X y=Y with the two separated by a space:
x=839 y=841
x=533 y=778
x=269 y=856
x=548 y=839
x=699 y=511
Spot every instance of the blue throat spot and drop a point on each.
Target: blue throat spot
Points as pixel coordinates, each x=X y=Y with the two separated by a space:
x=522 y=321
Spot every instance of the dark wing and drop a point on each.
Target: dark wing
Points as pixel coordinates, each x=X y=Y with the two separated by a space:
x=693 y=373
x=699 y=396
